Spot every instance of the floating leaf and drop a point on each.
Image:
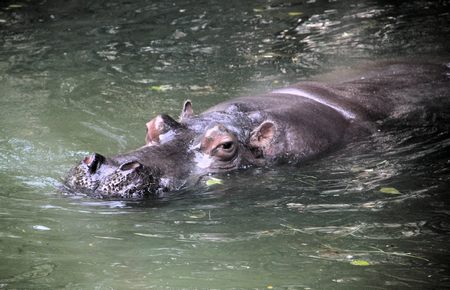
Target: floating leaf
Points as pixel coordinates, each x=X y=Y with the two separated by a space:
x=213 y=181
x=295 y=13
x=161 y=88
x=201 y=88
x=360 y=263
x=389 y=190
x=14 y=6
x=197 y=214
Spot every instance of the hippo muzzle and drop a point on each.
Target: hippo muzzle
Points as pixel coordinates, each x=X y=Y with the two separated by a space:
x=101 y=177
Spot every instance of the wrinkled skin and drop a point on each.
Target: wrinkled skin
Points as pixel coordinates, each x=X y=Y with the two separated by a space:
x=287 y=125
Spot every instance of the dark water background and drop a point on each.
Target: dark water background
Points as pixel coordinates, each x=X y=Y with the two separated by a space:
x=84 y=76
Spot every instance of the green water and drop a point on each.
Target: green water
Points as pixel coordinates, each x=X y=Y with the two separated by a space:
x=85 y=76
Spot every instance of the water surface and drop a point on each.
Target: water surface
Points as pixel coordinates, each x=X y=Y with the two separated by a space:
x=84 y=76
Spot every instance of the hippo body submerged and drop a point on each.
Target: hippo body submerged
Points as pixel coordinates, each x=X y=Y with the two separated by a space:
x=291 y=125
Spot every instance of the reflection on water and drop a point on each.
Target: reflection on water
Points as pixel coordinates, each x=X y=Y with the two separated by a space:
x=81 y=76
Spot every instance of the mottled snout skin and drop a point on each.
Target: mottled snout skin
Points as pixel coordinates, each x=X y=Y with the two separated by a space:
x=95 y=175
x=288 y=125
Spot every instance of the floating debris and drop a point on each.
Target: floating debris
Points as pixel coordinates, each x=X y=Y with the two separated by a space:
x=389 y=190
x=213 y=181
x=108 y=238
x=41 y=228
x=14 y=6
x=196 y=214
x=200 y=88
x=360 y=263
x=161 y=88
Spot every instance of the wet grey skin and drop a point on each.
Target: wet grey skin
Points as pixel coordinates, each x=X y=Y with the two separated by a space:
x=288 y=125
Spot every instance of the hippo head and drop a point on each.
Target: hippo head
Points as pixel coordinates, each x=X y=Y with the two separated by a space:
x=177 y=153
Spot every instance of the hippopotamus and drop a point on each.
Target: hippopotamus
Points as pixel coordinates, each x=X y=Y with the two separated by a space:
x=287 y=125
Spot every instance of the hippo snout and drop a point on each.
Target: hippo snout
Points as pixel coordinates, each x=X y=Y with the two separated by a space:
x=106 y=178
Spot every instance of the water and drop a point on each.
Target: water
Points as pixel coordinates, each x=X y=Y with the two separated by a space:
x=84 y=76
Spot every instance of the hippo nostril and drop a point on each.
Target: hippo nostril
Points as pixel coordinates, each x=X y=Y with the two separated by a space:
x=130 y=166
x=93 y=162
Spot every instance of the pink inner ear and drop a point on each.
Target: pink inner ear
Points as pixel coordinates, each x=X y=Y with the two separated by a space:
x=262 y=136
x=187 y=111
x=88 y=160
x=153 y=130
x=267 y=130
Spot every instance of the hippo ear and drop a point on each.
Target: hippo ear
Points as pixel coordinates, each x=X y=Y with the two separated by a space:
x=187 y=111
x=159 y=126
x=262 y=137
x=154 y=128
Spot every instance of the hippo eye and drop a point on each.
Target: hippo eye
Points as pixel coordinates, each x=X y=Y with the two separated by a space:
x=227 y=145
x=219 y=143
x=225 y=151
